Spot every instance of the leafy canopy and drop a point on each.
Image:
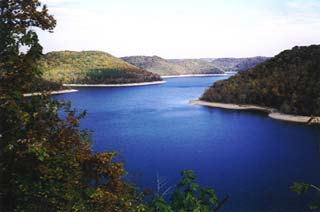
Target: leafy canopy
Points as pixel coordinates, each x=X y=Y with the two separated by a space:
x=187 y=196
x=18 y=19
x=45 y=159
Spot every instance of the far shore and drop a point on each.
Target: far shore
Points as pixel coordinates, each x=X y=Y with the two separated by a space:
x=50 y=92
x=192 y=75
x=115 y=85
x=272 y=113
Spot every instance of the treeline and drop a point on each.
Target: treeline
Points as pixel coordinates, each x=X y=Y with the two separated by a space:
x=289 y=82
x=91 y=67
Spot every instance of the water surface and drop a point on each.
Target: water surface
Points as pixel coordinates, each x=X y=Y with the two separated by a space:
x=246 y=155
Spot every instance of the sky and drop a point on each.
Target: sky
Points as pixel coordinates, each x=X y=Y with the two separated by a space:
x=183 y=28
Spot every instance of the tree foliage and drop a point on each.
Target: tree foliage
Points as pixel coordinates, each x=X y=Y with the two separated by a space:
x=186 y=196
x=303 y=188
x=45 y=159
x=289 y=82
x=47 y=163
x=17 y=20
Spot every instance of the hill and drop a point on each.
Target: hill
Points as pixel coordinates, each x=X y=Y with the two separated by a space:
x=155 y=64
x=91 y=67
x=236 y=64
x=197 y=66
x=289 y=82
x=162 y=66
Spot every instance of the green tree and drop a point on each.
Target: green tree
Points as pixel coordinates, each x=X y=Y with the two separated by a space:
x=18 y=18
x=303 y=188
x=46 y=161
x=187 y=196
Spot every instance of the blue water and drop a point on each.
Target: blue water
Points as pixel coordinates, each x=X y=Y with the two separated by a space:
x=246 y=155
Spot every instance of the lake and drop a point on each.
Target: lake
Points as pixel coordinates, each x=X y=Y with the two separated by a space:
x=246 y=155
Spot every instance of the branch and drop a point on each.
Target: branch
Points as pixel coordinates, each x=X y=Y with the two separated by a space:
x=315 y=187
x=220 y=204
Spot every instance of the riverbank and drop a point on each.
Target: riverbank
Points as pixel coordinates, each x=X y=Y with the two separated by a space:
x=115 y=85
x=272 y=113
x=51 y=92
x=192 y=75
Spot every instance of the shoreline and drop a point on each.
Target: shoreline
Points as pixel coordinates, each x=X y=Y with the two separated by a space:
x=116 y=85
x=272 y=113
x=192 y=75
x=51 y=92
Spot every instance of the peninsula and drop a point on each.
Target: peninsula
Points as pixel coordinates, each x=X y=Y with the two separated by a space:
x=289 y=83
x=272 y=113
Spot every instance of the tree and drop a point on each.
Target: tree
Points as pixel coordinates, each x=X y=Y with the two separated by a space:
x=18 y=18
x=45 y=159
x=187 y=196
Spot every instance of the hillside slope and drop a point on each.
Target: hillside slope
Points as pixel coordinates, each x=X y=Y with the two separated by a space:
x=289 y=82
x=237 y=64
x=197 y=66
x=162 y=66
x=155 y=64
x=91 y=67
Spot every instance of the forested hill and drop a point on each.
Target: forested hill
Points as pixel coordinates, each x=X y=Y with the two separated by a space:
x=197 y=66
x=237 y=64
x=91 y=67
x=155 y=64
x=289 y=82
x=162 y=66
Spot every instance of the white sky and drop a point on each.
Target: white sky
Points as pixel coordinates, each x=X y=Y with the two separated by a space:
x=183 y=28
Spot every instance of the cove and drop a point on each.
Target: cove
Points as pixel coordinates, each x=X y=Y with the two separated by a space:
x=246 y=155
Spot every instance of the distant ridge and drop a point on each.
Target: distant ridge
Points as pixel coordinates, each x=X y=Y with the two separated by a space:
x=162 y=66
x=236 y=64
